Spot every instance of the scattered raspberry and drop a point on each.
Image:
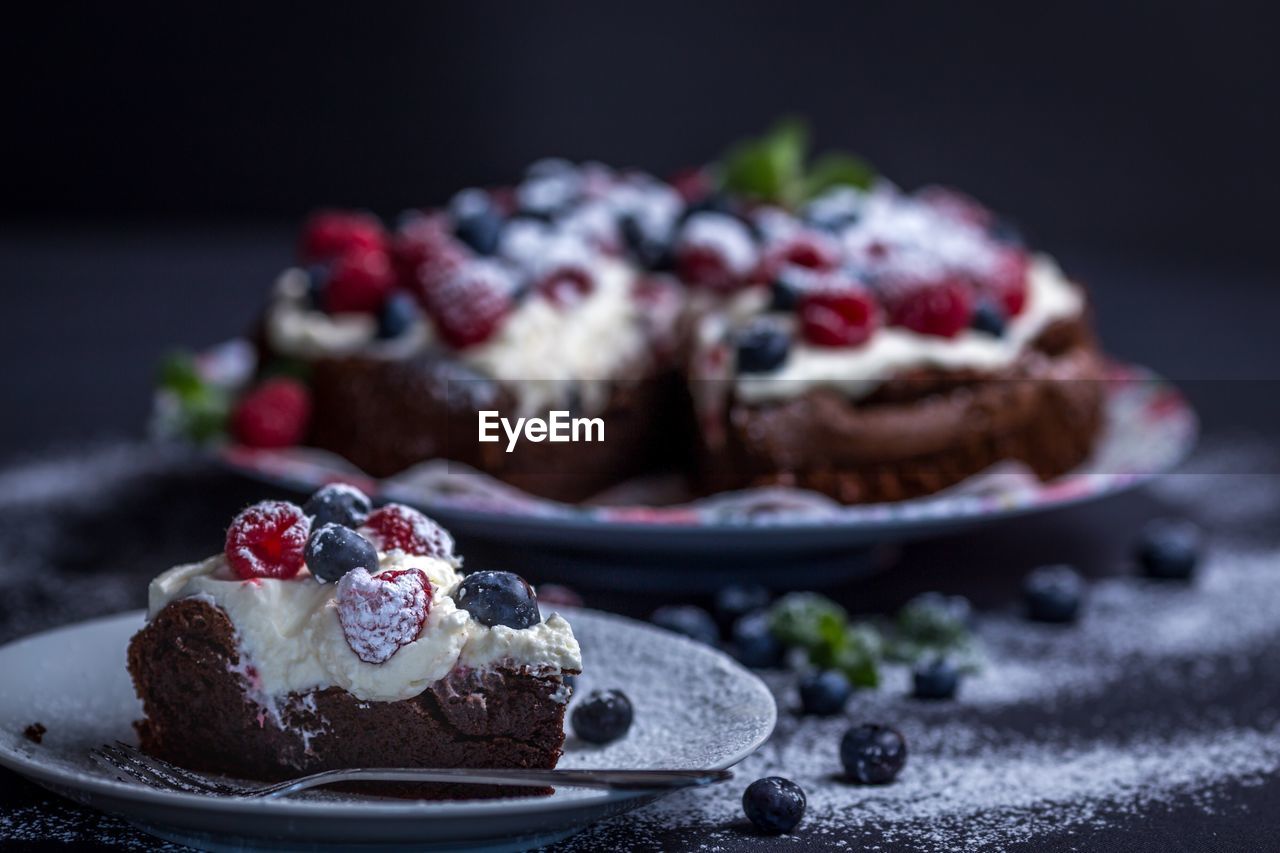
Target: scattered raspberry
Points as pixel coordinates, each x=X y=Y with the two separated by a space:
x=360 y=281
x=330 y=233
x=380 y=613
x=1008 y=281
x=844 y=317
x=398 y=526
x=807 y=249
x=943 y=308
x=566 y=286
x=275 y=414
x=470 y=304
x=267 y=540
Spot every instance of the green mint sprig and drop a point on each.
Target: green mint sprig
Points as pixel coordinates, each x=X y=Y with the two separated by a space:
x=773 y=168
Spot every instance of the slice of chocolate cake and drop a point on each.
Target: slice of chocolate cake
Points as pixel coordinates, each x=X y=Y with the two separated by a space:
x=337 y=637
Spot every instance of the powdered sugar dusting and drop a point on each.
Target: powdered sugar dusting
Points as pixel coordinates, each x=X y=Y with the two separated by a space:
x=381 y=613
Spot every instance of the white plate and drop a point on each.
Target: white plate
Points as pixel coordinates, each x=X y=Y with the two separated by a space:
x=694 y=708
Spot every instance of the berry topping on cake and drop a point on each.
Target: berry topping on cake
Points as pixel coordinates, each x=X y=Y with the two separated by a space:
x=941 y=308
x=989 y=318
x=1053 y=594
x=275 y=414
x=955 y=205
x=810 y=250
x=330 y=233
x=498 y=598
x=397 y=316
x=716 y=251
x=425 y=241
x=567 y=285
x=1007 y=281
x=399 y=527
x=267 y=540
x=873 y=754
x=333 y=550
x=762 y=347
x=603 y=716
x=937 y=678
x=476 y=220
x=380 y=613
x=824 y=693
x=338 y=503
x=773 y=804
x=838 y=317
x=359 y=282
x=470 y=304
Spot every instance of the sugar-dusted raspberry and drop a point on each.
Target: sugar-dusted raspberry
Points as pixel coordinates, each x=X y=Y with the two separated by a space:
x=943 y=308
x=1007 y=281
x=470 y=304
x=274 y=414
x=810 y=250
x=566 y=286
x=716 y=251
x=330 y=233
x=955 y=205
x=424 y=240
x=360 y=281
x=380 y=613
x=398 y=526
x=268 y=540
x=838 y=317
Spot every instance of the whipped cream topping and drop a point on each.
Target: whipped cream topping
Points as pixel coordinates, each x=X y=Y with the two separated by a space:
x=857 y=371
x=545 y=352
x=292 y=641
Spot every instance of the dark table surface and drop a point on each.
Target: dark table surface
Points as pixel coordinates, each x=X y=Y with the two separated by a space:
x=83 y=510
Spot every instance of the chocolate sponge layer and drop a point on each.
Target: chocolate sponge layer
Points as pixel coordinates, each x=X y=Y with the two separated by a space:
x=200 y=713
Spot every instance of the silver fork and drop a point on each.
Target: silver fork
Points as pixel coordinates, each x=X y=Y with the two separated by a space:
x=155 y=773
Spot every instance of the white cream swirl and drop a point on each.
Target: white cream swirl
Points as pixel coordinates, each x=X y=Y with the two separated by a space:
x=292 y=640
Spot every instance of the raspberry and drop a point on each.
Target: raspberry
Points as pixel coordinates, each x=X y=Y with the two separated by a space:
x=942 y=308
x=715 y=251
x=693 y=184
x=380 y=613
x=268 y=540
x=844 y=317
x=359 y=282
x=398 y=526
x=330 y=233
x=275 y=414
x=955 y=205
x=566 y=286
x=423 y=240
x=806 y=249
x=1008 y=281
x=470 y=304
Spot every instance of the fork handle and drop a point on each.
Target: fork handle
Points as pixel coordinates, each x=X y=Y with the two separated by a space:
x=618 y=780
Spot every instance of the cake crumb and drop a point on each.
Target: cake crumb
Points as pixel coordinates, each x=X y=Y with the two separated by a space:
x=34 y=732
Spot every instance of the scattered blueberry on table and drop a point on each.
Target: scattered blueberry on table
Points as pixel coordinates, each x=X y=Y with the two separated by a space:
x=937 y=678
x=1169 y=549
x=737 y=600
x=754 y=644
x=1053 y=594
x=338 y=503
x=603 y=716
x=824 y=693
x=498 y=598
x=774 y=804
x=873 y=754
x=688 y=620
x=333 y=550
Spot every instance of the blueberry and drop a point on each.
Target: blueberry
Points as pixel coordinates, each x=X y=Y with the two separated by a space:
x=1169 y=549
x=317 y=279
x=338 y=503
x=872 y=754
x=762 y=348
x=774 y=804
x=784 y=295
x=498 y=598
x=824 y=693
x=397 y=315
x=713 y=203
x=650 y=252
x=754 y=645
x=480 y=230
x=1053 y=594
x=603 y=716
x=333 y=550
x=935 y=679
x=737 y=600
x=686 y=619
x=988 y=318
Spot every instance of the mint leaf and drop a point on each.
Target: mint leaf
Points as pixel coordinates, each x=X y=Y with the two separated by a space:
x=771 y=167
x=178 y=374
x=838 y=170
x=809 y=620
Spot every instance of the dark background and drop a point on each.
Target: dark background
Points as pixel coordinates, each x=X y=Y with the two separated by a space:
x=158 y=157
